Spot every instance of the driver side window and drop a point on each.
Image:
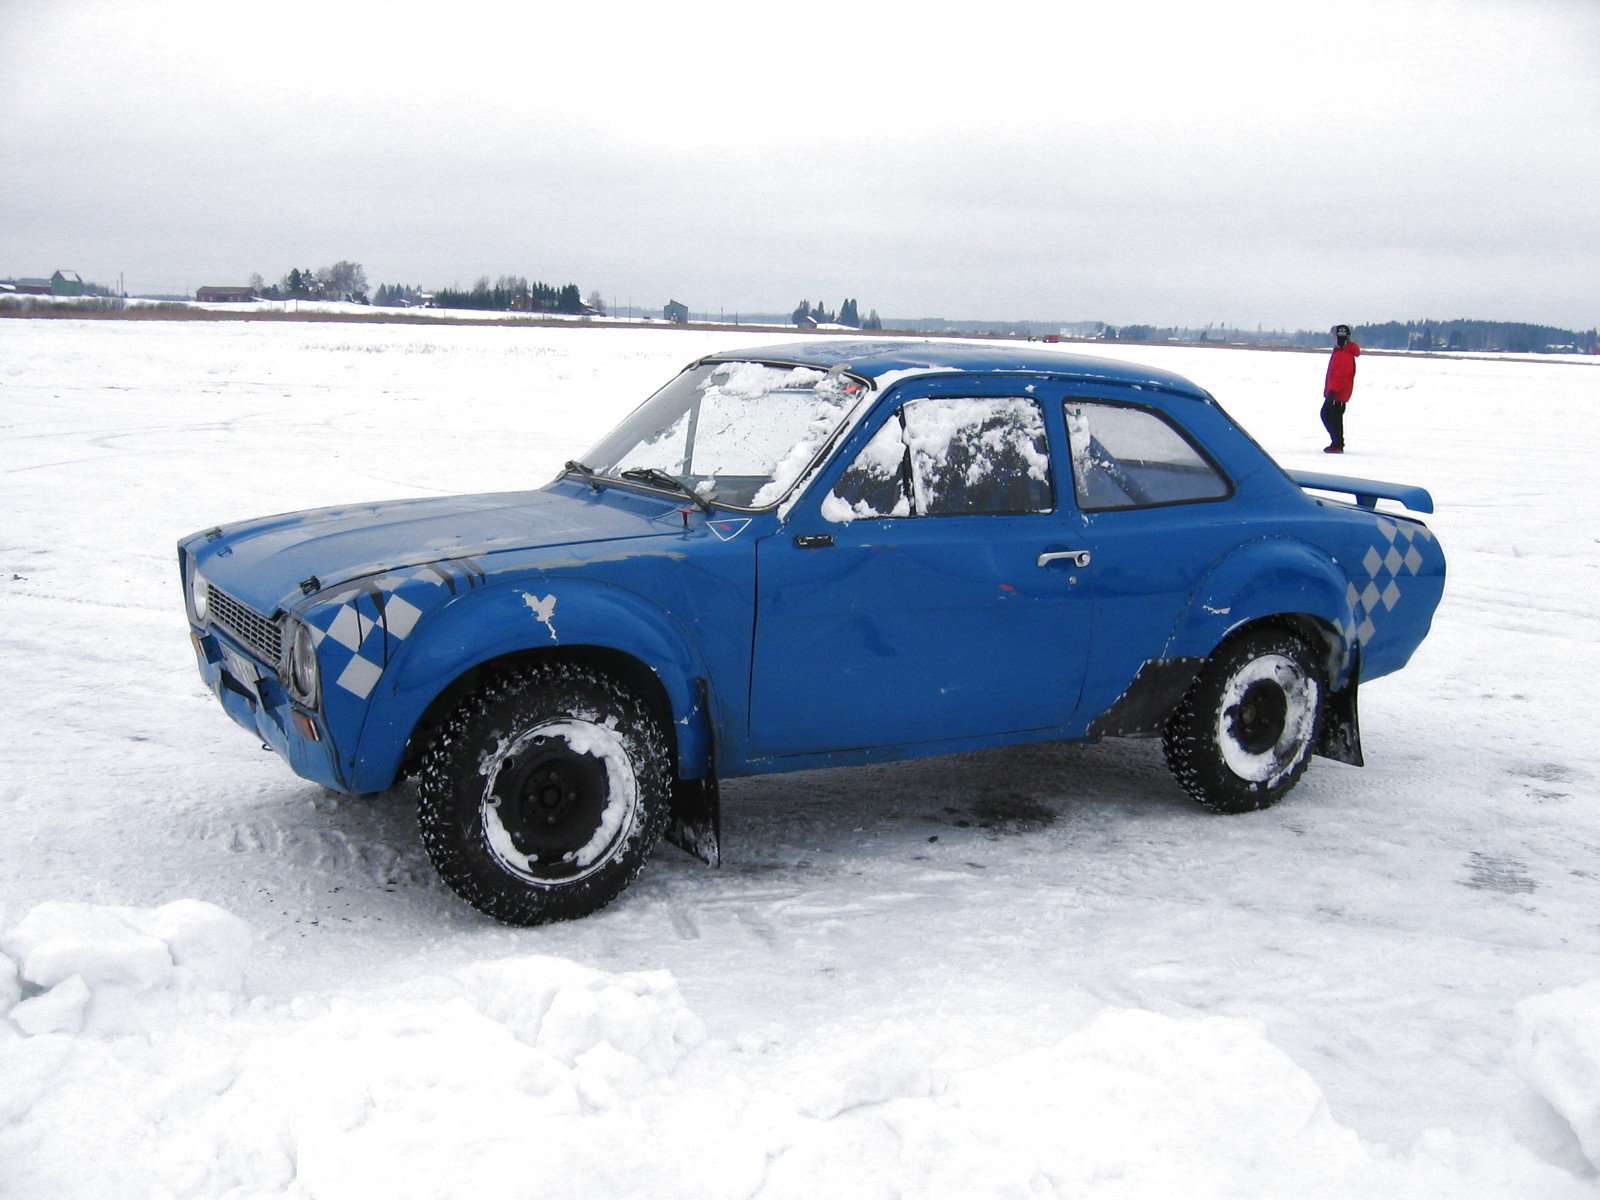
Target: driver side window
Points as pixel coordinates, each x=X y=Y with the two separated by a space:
x=950 y=456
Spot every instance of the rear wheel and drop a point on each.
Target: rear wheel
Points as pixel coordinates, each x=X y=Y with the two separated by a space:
x=1243 y=735
x=544 y=794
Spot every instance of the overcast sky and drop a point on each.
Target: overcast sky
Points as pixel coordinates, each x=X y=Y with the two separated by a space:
x=1270 y=163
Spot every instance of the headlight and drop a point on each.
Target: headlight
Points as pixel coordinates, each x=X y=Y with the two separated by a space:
x=199 y=600
x=305 y=671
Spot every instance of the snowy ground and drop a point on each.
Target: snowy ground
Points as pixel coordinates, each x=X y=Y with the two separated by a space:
x=1030 y=972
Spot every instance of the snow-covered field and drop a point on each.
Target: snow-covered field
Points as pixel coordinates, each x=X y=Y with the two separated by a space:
x=1030 y=972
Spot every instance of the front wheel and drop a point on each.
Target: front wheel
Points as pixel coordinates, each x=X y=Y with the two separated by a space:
x=544 y=794
x=1243 y=735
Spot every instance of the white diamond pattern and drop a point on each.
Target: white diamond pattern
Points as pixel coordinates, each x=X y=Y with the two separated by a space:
x=357 y=637
x=1383 y=563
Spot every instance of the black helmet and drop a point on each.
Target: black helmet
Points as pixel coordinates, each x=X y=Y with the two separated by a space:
x=1341 y=331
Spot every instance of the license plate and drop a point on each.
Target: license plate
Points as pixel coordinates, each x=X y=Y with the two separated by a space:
x=241 y=668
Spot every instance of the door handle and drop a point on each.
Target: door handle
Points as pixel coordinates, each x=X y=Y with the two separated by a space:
x=1078 y=558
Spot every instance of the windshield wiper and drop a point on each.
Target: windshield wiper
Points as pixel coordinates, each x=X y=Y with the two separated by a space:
x=574 y=467
x=659 y=478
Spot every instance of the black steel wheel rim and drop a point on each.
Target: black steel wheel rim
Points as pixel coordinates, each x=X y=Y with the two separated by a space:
x=1258 y=720
x=550 y=800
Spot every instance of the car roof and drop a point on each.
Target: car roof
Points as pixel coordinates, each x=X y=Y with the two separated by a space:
x=879 y=357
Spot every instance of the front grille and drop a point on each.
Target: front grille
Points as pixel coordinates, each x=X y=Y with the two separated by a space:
x=245 y=623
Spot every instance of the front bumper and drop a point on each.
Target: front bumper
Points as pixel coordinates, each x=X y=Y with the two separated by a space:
x=251 y=694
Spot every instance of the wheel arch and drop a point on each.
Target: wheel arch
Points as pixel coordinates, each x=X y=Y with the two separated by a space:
x=490 y=630
x=1287 y=584
x=1281 y=582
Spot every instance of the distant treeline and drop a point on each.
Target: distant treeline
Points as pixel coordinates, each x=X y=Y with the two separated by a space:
x=1474 y=335
x=342 y=281
x=348 y=281
x=808 y=317
x=1491 y=336
x=512 y=293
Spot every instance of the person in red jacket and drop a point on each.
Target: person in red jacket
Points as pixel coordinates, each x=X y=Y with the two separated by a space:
x=1336 y=388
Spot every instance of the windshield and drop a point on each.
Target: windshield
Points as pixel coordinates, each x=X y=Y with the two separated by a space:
x=737 y=433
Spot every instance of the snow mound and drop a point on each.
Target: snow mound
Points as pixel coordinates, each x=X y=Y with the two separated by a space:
x=502 y=1078
x=1134 y=1105
x=1558 y=1052
x=538 y=1076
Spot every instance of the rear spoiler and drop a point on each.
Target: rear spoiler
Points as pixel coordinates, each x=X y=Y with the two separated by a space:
x=1366 y=491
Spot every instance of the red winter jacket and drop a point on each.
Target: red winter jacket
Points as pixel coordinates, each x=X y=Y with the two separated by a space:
x=1342 y=373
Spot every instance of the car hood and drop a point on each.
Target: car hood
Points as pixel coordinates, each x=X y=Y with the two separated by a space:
x=265 y=562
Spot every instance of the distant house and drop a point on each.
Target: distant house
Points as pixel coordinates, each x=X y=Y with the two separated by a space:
x=66 y=283
x=677 y=313
x=31 y=287
x=226 y=295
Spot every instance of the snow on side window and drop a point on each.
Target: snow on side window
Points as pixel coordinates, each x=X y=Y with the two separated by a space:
x=872 y=485
x=978 y=455
x=967 y=454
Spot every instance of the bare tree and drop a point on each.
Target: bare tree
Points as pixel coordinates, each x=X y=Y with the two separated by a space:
x=343 y=281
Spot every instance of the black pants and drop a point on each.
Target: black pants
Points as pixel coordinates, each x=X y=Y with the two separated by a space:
x=1333 y=421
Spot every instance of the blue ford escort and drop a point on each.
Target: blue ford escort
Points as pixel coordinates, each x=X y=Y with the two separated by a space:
x=824 y=553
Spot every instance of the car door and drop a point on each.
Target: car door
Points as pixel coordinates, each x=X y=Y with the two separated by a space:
x=925 y=589
x=1157 y=511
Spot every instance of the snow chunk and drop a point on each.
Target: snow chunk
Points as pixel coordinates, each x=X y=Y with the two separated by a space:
x=1558 y=1053
x=101 y=944
x=127 y=961
x=10 y=983
x=896 y=1063
x=568 y=1010
x=209 y=946
x=60 y=1010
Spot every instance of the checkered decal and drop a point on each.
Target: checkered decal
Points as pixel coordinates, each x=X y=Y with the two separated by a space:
x=1388 y=565
x=356 y=638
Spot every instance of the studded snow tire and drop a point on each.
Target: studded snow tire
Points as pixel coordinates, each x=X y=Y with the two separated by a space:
x=544 y=793
x=1244 y=734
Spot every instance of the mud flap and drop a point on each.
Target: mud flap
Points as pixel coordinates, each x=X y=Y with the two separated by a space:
x=696 y=823
x=1340 y=739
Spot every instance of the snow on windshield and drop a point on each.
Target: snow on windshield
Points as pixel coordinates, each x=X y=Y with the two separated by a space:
x=805 y=426
x=738 y=432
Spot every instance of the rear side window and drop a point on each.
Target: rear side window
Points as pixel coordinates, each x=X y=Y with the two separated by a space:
x=950 y=456
x=1125 y=457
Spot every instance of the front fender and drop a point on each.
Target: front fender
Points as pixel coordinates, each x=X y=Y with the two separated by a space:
x=1269 y=577
x=537 y=613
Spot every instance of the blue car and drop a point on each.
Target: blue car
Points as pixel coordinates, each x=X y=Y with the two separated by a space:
x=817 y=554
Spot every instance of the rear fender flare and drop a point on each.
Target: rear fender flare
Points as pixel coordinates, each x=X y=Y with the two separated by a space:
x=1270 y=578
